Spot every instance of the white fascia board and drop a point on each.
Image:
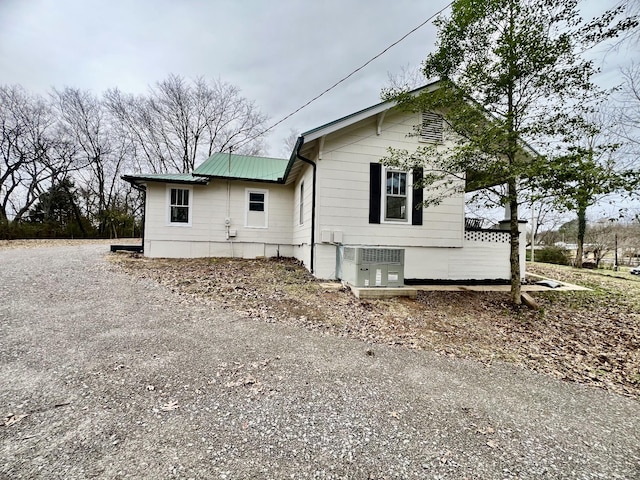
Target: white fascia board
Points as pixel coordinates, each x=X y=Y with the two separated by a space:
x=350 y=120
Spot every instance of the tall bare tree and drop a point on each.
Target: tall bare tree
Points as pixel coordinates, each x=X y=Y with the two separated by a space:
x=86 y=123
x=31 y=154
x=180 y=123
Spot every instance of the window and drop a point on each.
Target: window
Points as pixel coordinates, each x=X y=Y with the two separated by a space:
x=431 y=129
x=392 y=196
x=257 y=208
x=395 y=202
x=256 y=202
x=179 y=206
x=302 y=203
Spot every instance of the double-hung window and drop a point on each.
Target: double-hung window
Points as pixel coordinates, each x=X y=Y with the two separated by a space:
x=395 y=196
x=179 y=206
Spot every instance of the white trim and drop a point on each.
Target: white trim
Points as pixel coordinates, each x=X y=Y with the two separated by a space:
x=362 y=115
x=383 y=200
x=190 y=206
x=248 y=191
x=301 y=216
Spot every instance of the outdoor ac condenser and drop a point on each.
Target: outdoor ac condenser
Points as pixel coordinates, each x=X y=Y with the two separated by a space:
x=372 y=267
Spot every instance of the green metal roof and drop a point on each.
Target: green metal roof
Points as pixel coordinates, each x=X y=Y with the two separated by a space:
x=243 y=167
x=165 y=178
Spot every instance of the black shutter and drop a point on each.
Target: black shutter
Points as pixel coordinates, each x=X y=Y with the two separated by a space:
x=375 y=185
x=416 y=215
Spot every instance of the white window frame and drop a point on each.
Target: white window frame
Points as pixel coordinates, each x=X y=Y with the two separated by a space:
x=436 y=138
x=301 y=204
x=409 y=196
x=247 y=195
x=189 y=206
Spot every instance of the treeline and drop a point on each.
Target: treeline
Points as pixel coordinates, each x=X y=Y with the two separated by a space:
x=62 y=154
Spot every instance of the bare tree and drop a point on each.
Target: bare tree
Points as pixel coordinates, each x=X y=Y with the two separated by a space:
x=289 y=142
x=408 y=78
x=31 y=154
x=628 y=109
x=180 y=123
x=86 y=123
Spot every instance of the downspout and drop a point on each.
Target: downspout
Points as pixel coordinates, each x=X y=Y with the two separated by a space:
x=313 y=200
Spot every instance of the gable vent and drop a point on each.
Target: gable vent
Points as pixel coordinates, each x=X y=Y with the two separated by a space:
x=431 y=128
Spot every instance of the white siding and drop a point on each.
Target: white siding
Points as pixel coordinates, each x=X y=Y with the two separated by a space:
x=207 y=235
x=343 y=189
x=475 y=261
x=302 y=232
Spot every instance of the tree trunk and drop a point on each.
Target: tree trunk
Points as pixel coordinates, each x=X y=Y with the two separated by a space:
x=514 y=256
x=582 y=227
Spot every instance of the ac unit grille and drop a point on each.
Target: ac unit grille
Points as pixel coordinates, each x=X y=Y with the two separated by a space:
x=381 y=255
x=350 y=254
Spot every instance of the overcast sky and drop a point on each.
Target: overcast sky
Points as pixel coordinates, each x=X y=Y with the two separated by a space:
x=280 y=53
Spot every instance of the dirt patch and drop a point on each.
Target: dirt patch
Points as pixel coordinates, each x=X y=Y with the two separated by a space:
x=587 y=337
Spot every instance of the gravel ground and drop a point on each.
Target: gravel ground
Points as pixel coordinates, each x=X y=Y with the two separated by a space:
x=107 y=376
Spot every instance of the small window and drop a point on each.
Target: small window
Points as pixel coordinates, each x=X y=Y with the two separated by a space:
x=257 y=208
x=431 y=129
x=396 y=196
x=256 y=202
x=302 y=203
x=179 y=205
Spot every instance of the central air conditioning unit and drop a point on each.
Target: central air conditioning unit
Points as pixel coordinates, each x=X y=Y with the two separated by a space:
x=371 y=267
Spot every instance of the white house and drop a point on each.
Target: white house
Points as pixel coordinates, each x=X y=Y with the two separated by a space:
x=330 y=194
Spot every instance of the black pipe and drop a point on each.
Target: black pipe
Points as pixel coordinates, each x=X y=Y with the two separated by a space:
x=313 y=199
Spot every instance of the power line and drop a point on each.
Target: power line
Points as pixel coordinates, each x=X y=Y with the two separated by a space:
x=345 y=78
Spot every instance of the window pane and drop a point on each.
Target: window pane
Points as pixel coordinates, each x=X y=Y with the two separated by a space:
x=256 y=206
x=174 y=195
x=180 y=214
x=402 y=183
x=301 y=203
x=389 y=183
x=185 y=197
x=396 y=208
x=256 y=197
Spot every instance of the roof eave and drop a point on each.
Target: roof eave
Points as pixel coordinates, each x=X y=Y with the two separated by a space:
x=241 y=179
x=360 y=115
x=141 y=180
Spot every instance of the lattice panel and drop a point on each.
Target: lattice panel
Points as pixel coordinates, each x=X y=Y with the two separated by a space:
x=486 y=236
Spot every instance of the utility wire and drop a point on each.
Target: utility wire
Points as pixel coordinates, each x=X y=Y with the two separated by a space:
x=344 y=78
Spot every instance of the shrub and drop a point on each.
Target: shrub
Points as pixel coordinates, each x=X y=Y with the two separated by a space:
x=557 y=255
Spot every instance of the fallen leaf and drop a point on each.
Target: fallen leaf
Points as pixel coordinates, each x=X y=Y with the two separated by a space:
x=12 y=419
x=167 y=407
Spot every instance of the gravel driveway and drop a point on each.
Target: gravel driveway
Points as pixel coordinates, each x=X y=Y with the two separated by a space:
x=121 y=378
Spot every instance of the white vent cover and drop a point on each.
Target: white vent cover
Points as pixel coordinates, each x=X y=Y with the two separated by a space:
x=431 y=128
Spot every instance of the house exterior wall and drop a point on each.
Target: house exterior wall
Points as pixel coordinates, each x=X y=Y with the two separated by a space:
x=302 y=231
x=476 y=260
x=343 y=190
x=431 y=250
x=438 y=249
x=206 y=235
